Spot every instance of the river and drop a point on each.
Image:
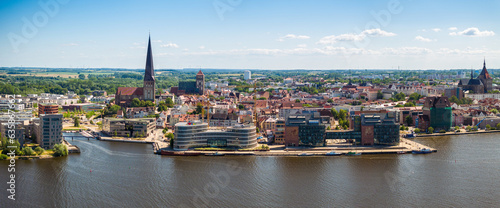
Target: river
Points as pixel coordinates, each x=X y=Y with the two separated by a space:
x=463 y=173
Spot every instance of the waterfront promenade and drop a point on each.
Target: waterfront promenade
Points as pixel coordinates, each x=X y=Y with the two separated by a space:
x=405 y=146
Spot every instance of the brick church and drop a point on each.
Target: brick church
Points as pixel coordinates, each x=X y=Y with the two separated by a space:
x=124 y=95
x=482 y=84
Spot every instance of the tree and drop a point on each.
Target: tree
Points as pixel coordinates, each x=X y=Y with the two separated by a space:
x=409 y=120
x=409 y=104
x=468 y=128
x=417 y=130
x=297 y=101
x=241 y=107
x=27 y=151
x=430 y=130
x=398 y=106
x=199 y=108
x=488 y=126
x=164 y=131
x=454 y=99
x=475 y=128
x=334 y=113
x=39 y=150
x=498 y=126
x=170 y=136
x=116 y=133
x=329 y=100
x=60 y=150
x=81 y=76
x=380 y=95
x=457 y=128
x=76 y=120
x=415 y=96
x=328 y=128
x=135 y=102
x=495 y=111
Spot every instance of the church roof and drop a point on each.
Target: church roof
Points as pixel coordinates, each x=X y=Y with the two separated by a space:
x=200 y=73
x=484 y=72
x=149 y=75
x=129 y=91
x=475 y=82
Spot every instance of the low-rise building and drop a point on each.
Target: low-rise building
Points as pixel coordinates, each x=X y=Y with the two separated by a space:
x=136 y=127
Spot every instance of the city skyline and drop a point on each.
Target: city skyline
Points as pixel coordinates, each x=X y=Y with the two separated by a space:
x=251 y=34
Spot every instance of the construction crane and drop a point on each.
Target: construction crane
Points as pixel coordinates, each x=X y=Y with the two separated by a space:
x=480 y=122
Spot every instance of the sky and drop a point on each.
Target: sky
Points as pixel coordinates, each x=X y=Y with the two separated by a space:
x=251 y=34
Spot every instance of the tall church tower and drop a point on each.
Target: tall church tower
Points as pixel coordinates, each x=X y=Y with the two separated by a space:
x=486 y=79
x=200 y=82
x=149 y=76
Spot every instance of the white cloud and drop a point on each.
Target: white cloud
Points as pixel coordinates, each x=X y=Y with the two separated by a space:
x=355 y=37
x=302 y=45
x=474 y=32
x=436 y=29
x=292 y=36
x=169 y=45
x=202 y=47
x=453 y=28
x=420 y=38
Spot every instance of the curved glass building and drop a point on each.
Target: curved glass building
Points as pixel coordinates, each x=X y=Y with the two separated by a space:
x=197 y=134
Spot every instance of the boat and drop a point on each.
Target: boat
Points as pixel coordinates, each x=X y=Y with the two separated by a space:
x=305 y=154
x=333 y=153
x=401 y=152
x=215 y=154
x=422 y=151
x=176 y=153
x=353 y=154
x=409 y=136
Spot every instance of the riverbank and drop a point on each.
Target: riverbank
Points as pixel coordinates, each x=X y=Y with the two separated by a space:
x=405 y=146
x=459 y=133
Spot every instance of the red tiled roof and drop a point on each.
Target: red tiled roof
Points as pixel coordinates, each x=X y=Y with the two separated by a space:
x=129 y=91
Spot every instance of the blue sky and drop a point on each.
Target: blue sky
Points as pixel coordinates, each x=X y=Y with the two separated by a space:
x=251 y=34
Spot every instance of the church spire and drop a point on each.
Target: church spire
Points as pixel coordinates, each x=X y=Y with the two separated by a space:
x=484 y=73
x=149 y=75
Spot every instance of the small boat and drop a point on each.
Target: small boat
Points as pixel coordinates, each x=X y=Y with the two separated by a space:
x=412 y=135
x=401 y=152
x=353 y=154
x=215 y=154
x=333 y=153
x=422 y=151
x=305 y=154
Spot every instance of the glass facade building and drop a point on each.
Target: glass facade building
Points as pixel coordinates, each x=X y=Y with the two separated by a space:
x=197 y=134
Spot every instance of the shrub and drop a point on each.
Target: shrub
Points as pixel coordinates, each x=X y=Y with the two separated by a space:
x=39 y=150
x=442 y=131
x=28 y=151
x=3 y=157
x=430 y=130
x=60 y=150
x=417 y=130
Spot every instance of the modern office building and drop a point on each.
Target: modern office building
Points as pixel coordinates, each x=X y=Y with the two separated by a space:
x=48 y=108
x=197 y=134
x=370 y=129
x=247 y=75
x=141 y=127
x=49 y=130
x=312 y=134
